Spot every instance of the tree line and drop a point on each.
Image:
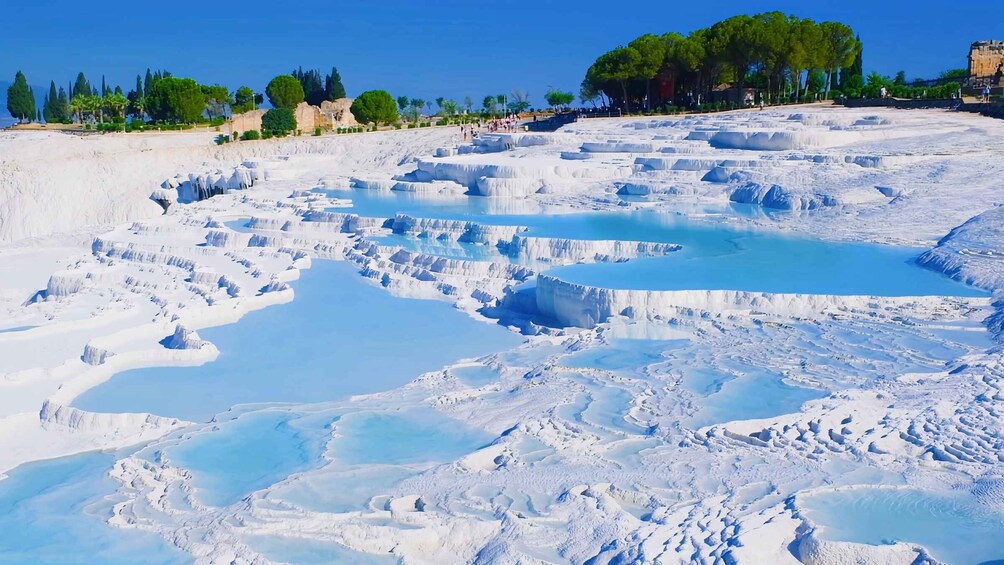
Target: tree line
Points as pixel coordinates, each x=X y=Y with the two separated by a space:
x=158 y=97
x=783 y=57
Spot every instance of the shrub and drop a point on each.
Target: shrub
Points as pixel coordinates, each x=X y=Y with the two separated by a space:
x=250 y=135
x=235 y=136
x=317 y=132
x=412 y=126
x=397 y=125
x=443 y=122
x=266 y=134
x=221 y=139
x=279 y=121
x=374 y=106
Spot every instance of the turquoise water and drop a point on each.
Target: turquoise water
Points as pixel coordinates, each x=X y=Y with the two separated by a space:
x=341 y=336
x=953 y=527
x=372 y=451
x=476 y=375
x=748 y=396
x=251 y=453
x=309 y=552
x=408 y=437
x=718 y=252
x=625 y=356
x=239 y=225
x=387 y=204
x=52 y=512
x=762 y=262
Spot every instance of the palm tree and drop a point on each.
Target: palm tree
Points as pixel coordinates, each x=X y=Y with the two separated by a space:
x=77 y=107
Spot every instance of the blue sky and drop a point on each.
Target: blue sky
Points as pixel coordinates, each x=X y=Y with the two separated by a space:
x=449 y=48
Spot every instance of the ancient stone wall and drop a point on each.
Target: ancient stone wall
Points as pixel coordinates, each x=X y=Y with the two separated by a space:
x=330 y=115
x=985 y=57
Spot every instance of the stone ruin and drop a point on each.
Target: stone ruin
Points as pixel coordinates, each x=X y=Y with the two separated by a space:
x=986 y=61
x=330 y=115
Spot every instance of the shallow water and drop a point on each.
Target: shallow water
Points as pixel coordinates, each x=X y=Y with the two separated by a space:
x=52 y=512
x=719 y=252
x=409 y=437
x=953 y=527
x=776 y=264
x=748 y=396
x=330 y=342
x=248 y=454
x=309 y=552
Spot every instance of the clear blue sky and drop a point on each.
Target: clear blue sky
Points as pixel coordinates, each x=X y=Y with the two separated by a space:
x=449 y=48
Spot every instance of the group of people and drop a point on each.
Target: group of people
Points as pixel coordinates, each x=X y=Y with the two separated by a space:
x=507 y=124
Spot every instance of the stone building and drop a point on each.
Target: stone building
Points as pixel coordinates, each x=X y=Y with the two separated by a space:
x=330 y=115
x=986 y=60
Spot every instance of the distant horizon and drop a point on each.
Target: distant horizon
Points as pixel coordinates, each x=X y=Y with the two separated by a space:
x=456 y=49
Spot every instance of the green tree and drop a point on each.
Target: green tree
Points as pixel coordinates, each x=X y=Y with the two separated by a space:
x=402 y=103
x=148 y=83
x=278 y=121
x=284 y=91
x=81 y=87
x=838 y=49
x=217 y=100
x=175 y=99
x=449 y=107
x=374 y=106
x=558 y=98
x=117 y=103
x=333 y=87
x=20 y=99
x=54 y=109
x=490 y=104
x=652 y=55
x=313 y=87
x=64 y=105
x=620 y=66
x=244 y=100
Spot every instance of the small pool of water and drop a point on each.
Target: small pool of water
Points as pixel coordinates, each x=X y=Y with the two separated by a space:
x=625 y=356
x=752 y=395
x=309 y=552
x=476 y=375
x=16 y=329
x=239 y=225
x=53 y=512
x=340 y=336
x=953 y=526
x=409 y=437
x=250 y=453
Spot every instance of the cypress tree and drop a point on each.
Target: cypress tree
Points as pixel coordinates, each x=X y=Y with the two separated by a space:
x=20 y=99
x=81 y=87
x=50 y=108
x=857 y=68
x=147 y=83
x=64 y=105
x=104 y=87
x=333 y=88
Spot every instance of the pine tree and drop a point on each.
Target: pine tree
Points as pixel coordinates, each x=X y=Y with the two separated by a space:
x=333 y=88
x=20 y=99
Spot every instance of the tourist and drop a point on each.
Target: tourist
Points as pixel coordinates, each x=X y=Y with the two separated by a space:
x=986 y=93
